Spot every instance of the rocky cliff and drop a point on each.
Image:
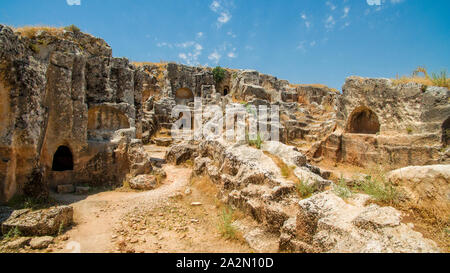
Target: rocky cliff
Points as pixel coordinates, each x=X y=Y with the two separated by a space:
x=64 y=101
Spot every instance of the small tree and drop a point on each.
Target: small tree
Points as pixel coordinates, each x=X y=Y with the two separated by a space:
x=218 y=74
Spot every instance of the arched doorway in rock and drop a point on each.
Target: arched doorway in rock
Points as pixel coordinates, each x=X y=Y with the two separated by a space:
x=183 y=96
x=62 y=159
x=363 y=121
x=226 y=90
x=446 y=132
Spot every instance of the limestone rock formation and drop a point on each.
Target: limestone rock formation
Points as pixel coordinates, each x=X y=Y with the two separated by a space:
x=181 y=153
x=143 y=182
x=325 y=223
x=41 y=242
x=83 y=102
x=380 y=122
x=425 y=187
x=40 y=222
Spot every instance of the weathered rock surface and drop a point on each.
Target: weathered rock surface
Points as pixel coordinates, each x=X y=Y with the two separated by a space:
x=288 y=154
x=425 y=187
x=18 y=243
x=383 y=123
x=82 y=99
x=165 y=142
x=326 y=223
x=254 y=91
x=41 y=242
x=82 y=190
x=40 y=222
x=249 y=180
x=65 y=188
x=143 y=182
x=181 y=153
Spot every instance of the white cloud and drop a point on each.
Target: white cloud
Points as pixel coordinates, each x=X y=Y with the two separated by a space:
x=346 y=12
x=304 y=45
x=305 y=19
x=373 y=2
x=380 y=2
x=215 y=57
x=200 y=35
x=191 y=57
x=217 y=6
x=231 y=55
x=330 y=22
x=231 y=34
x=164 y=44
x=73 y=2
x=224 y=17
x=186 y=44
x=330 y=5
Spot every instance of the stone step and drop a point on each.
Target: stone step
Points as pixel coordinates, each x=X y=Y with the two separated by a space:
x=157 y=162
x=166 y=125
x=163 y=141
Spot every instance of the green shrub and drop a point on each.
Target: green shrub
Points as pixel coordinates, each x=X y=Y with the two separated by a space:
x=382 y=191
x=72 y=28
x=256 y=143
x=341 y=189
x=12 y=233
x=226 y=228
x=218 y=74
x=304 y=190
x=34 y=47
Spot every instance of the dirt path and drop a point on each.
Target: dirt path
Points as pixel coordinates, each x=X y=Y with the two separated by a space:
x=96 y=215
x=161 y=220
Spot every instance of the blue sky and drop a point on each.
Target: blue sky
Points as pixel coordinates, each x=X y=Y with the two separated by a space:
x=303 y=41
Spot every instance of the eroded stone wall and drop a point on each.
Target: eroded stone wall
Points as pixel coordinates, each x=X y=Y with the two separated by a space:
x=65 y=90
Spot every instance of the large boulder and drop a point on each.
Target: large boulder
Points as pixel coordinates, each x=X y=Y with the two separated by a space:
x=254 y=91
x=39 y=222
x=181 y=153
x=143 y=182
x=427 y=187
x=41 y=242
x=287 y=153
x=326 y=223
x=140 y=162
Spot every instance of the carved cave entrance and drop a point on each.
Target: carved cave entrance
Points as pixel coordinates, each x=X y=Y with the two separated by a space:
x=183 y=96
x=363 y=121
x=62 y=160
x=226 y=90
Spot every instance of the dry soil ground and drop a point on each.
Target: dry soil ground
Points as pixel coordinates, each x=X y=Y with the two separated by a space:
x=162 y=220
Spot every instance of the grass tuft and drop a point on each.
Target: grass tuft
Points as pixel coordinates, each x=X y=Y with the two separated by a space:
x=441 y=79
x=305 y=190
x=342 y=190
x=257 y=143
x=31 y=31
x=382 y=191
x=226 y=228
x=72 y=28
x=12 y=234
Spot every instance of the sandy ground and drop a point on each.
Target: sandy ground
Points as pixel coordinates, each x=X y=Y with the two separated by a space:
x=162 y=220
